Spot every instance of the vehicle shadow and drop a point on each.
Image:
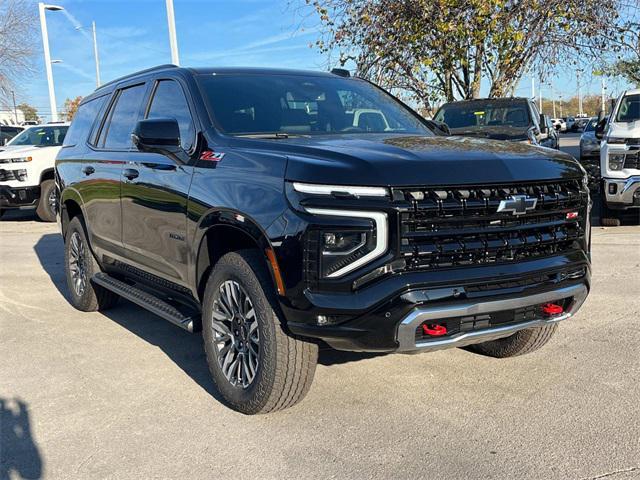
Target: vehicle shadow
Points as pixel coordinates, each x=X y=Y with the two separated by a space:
x=50 y=251
x=19 y=454
x=16 y=215
x=183 y=348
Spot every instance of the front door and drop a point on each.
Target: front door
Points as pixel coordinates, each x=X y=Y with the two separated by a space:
x=155 y=190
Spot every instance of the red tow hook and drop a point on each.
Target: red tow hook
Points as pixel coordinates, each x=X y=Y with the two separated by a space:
x=434 y=330
x=550 y=309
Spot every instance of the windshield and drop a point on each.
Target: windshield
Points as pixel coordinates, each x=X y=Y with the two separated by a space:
x=629 y=110
x=304 y=105
x=49 y=136
x=484 y=114
x=591 y=126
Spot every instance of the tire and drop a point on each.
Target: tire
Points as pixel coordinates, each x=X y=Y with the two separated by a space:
x=1 y=213
x=280 y=375
x=46 y=210
x=520 y=343
x=80 y=265
x=610 y=222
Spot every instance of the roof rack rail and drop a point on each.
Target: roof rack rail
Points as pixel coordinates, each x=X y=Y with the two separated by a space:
x=147 y=70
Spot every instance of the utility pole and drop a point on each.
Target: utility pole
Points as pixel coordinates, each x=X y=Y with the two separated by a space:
x=47 y=56
x=540 y=96
x=578 y=73
x=173 y=41
x=533 y=88
x=15 y=109
x=95 y=53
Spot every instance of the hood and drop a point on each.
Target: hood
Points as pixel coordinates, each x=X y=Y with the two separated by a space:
x=494 y=132
x=392 y=160
x=625 y=130
x=14 y=150
x=11 y=151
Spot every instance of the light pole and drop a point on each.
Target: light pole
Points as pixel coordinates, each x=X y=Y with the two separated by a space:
x=95 y=53
x=47 y=56
x=604 y=90
x=578 y=73
x=173 y=41
x=560 y=98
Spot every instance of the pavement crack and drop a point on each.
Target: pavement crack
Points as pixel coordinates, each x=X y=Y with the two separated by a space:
x=611 y=474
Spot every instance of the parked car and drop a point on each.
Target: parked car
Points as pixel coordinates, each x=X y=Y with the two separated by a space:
x=580 y=124
x=589 y=144
x=26 y=170
x=559 y=124
x=7 y=132
x=244 y=202
x=569 y=121
x=619 y=137
x=512 y=119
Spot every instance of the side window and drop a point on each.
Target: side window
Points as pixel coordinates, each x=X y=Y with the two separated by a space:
x=169 y=102
x=116 y=133
x=83 y=121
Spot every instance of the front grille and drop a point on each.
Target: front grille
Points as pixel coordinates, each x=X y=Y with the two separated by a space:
x=459 y=226
x=632 y=160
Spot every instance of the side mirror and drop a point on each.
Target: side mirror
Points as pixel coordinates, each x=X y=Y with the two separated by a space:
x=158 y=135
x=543 y=124
x=601 y=125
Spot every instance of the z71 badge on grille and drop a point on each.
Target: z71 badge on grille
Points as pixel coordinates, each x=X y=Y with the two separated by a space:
x=517 y=204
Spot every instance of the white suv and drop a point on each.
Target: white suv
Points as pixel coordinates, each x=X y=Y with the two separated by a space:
x=27 y=170
x=620 y=158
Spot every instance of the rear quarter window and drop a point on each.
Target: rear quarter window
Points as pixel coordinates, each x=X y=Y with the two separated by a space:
x=83 y=121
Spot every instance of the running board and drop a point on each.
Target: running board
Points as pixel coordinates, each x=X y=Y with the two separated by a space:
x=146 y=300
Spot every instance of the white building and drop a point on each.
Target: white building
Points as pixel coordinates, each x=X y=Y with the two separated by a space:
x=8 y=117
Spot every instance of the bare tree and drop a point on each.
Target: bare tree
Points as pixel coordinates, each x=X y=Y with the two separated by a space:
x=18 y=36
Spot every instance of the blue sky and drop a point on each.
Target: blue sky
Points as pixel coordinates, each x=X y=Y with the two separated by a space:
x=133 y=35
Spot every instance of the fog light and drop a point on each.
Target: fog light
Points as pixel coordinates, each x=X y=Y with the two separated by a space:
x=322 y=320
x=613 y=188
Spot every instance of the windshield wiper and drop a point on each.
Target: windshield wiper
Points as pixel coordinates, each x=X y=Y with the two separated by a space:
x=271 y=135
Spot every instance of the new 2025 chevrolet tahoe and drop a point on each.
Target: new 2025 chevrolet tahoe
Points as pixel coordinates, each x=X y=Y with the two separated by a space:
x=281 y=210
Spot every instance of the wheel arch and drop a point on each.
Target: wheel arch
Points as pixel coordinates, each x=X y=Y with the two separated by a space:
x=228 y=231
x=70 y=207
x=47 y=174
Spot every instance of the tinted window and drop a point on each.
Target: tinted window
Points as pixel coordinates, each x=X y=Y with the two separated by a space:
x=83 y=121
x=169 y=102
x=7 y=133
x=122 y=118
x=488 y=113
x=629 y=110
x=52 y=136
x=304 y=104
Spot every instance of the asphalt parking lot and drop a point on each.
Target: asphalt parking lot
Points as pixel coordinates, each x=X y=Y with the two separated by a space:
x=127 y=395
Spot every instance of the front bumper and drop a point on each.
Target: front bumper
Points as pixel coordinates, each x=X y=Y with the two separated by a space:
x=16 y=197
x=372 y=320
x=622 y=193
x=407 y=329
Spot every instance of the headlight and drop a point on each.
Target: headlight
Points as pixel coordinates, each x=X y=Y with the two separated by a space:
x=19 y=159
x=616 y=140
x=616 y=161
x=344 y=249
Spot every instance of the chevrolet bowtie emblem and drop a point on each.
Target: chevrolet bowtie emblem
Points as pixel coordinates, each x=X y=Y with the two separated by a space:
x=517 y=204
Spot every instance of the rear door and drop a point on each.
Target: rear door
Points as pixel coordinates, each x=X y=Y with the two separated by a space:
x=154 y=201
x=102 y=168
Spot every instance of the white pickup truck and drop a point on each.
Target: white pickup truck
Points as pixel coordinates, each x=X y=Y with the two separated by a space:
x=620 y=159
x=27 y=170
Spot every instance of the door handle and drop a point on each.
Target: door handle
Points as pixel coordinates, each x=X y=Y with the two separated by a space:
x=130 y=173
x=88 y=170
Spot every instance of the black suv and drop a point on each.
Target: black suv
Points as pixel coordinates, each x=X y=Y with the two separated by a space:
x=279 y=210
x=513 y=119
